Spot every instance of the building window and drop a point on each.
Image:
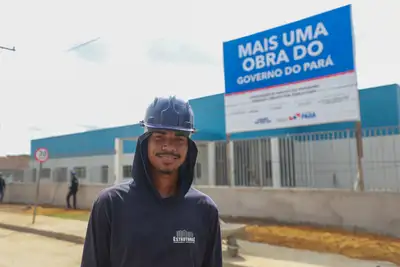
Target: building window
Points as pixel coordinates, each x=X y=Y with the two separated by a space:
x=127 y=171
x=45 y=173
x=104 y=174
x=80 y=172
x=198 y=170
x=60 y=174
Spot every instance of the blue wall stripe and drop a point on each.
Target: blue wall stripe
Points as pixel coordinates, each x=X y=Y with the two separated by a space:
x=379 y=107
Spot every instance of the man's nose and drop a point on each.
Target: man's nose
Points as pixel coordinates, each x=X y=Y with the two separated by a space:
x=168 y=147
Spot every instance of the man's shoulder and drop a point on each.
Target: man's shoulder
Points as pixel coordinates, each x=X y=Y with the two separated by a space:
x=111 y=201
x=201 y=198
x=115 y=192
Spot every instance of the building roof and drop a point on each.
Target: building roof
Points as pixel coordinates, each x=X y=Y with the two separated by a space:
x=19 y=162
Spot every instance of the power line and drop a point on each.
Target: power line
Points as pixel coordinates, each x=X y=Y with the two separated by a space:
x=76 y=47
x=8 y=48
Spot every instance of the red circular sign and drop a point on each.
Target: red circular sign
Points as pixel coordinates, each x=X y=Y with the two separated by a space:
x=41 y=154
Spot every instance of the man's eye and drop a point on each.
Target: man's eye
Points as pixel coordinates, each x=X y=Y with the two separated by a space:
x=158 y=137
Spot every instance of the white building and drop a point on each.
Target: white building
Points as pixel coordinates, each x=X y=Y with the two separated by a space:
x=312 y=156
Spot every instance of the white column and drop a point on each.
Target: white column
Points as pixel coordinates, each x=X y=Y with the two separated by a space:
x=276 y=166
x=231 y=165
x=118 y=143
x=212 y=163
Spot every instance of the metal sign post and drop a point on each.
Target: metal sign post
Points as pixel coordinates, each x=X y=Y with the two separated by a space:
x=229 y=163
x=41 y=156
x=360 y=155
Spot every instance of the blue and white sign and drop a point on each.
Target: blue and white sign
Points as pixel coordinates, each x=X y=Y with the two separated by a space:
x=305 y=67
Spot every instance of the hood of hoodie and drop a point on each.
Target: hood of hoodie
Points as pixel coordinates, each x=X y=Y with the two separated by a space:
x=141 y=169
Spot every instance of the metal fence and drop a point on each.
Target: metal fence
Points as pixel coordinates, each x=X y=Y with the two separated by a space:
x=12 y=175
x=310 y=160
x=314 y=160
x=92 y=175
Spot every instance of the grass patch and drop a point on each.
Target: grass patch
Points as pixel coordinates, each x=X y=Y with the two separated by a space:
x=71 y=216
x=81 y=215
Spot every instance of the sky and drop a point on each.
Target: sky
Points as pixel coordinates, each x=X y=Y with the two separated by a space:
x=146 y=49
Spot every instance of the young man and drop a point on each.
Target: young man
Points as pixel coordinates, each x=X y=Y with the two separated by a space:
x=72 y=190
x=157 y=219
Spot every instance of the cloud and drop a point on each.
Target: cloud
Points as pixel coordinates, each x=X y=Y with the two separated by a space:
x=34 y=129
x=177 y=52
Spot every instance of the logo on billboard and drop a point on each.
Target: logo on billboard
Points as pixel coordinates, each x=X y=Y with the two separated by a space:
x=303 y=116
x=262 y=120
x=285 y=119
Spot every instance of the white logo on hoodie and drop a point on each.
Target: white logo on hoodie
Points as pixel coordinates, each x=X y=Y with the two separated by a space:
x=183 y=236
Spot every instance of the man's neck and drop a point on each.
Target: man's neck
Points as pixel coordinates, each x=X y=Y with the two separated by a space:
x=166 y=184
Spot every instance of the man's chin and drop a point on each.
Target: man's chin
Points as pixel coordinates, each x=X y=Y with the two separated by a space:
x=166 y=171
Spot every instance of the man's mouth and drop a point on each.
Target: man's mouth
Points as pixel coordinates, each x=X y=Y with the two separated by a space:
x=168 y=157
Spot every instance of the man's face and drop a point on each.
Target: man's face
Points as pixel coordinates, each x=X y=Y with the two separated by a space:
x=167 y=150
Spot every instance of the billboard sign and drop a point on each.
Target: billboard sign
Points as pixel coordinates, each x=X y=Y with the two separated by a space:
x=302 y=73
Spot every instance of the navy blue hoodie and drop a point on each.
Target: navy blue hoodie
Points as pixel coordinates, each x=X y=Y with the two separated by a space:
x=131 y=225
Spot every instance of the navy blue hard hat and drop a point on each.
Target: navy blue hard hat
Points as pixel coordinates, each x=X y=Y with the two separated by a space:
x=169 y=113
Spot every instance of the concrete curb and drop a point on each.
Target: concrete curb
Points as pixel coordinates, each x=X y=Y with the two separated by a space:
x=50 y=234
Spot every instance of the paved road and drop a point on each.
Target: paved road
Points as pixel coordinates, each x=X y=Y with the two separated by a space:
x=262 y=255
x=21 y=250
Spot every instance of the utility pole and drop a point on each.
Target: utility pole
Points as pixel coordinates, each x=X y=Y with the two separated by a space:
x=8 y=48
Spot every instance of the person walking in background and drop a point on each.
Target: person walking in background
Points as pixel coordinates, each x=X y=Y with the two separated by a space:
x=2 y=187
x=73 y=189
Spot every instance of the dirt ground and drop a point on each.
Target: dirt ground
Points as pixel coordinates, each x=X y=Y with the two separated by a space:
x=359 y=246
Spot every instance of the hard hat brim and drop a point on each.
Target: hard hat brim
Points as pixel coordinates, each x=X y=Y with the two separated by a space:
x=163 y=127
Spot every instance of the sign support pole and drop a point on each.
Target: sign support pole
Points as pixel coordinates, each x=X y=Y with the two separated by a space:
x=360 y=155
x=37 y=193
x=228 y=160
x=41 y=156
